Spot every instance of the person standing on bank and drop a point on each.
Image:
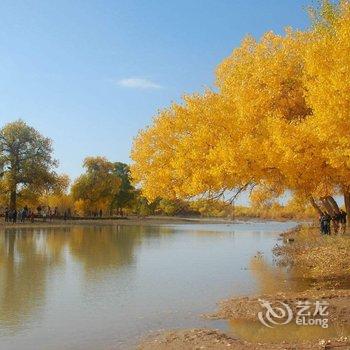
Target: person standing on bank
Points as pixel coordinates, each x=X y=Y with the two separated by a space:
x=342 y=221
x=325 y=224
x=14 y=215
x=7 y=214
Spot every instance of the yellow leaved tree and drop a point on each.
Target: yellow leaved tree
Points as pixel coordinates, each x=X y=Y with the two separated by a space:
x=270 y=123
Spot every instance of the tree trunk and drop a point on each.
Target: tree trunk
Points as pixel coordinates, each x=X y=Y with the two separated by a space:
x=328 y=207
x=334 y=204
x=13 y=199
x=347 y=203
x=316 y=207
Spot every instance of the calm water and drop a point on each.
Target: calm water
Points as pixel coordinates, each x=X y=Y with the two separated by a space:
x=105 y=287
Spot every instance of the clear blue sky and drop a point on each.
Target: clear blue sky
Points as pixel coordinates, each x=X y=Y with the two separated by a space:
x=90 y=74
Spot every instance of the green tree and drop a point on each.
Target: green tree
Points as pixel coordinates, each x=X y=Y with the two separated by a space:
x=142 y=206
x=126 y=192
x=26 y=161
x=98 y=186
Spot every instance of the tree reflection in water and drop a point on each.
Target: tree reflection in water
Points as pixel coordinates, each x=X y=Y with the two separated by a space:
x=28 y=256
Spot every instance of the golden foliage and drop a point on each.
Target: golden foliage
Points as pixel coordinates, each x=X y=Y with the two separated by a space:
x=279 y=119
x=96 y=189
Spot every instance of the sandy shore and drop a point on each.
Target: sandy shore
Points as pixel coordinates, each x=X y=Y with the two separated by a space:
x=197 y=339
x=132 y=220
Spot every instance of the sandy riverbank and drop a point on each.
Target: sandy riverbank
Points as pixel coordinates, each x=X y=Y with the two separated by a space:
x=197 y=339
x=132 y=220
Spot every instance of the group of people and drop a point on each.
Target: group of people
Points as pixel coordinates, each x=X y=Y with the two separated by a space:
x=338 y=220
x=12 y=215
x=24 y=214
x=43 y=213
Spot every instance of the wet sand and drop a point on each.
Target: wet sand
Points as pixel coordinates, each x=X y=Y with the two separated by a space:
x=196 y=339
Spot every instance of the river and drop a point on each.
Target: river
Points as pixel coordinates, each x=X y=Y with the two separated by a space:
x=105 y=287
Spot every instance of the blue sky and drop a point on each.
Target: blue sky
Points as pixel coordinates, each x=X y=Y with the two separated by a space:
x=90 y=74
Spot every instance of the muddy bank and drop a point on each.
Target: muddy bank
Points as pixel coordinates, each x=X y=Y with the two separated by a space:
x=196 y=339
x=192 y=339
x=248 y=307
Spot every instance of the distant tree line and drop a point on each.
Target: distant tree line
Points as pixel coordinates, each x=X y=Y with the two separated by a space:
x=28 y=179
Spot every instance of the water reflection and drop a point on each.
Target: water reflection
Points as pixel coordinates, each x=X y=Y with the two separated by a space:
x=98 y=287
x=271 y=278
x=27 y=257
x=102 y=247
x=25 y=261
